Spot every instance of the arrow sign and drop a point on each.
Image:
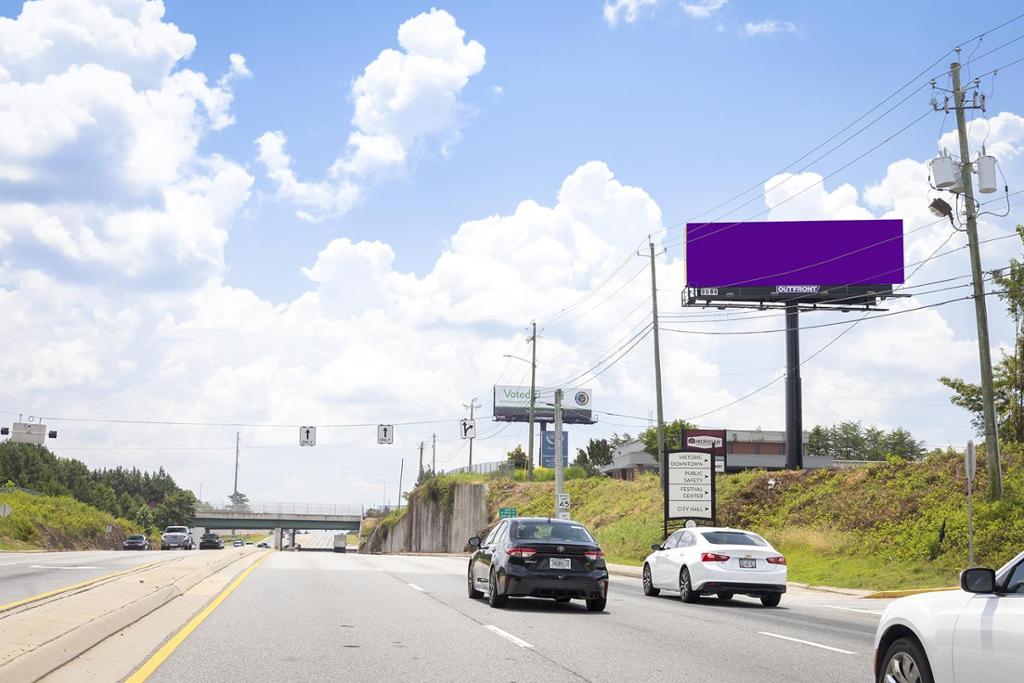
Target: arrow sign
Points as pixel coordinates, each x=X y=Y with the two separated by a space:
x=307 y=436
x=468 y=429
x=5 y=510
x=385 y=434
x=689 y=490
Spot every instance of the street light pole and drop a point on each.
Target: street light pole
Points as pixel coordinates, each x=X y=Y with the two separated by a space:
x=471 y=406
x=533 y=401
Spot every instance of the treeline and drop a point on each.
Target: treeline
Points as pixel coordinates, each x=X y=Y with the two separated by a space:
x=152 y=499
x=851 y=441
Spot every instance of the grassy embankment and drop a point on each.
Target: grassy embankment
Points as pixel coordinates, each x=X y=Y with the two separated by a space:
x=59 y=523
x=872 y=527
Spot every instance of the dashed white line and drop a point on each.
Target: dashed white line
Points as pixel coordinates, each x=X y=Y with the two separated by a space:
x=508 y=636
x=807 y=642
x=876 y=612
x=413 y=585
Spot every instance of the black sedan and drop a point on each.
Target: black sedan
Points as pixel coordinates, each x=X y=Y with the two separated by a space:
x=135 y=542
x=211 y=541
x=540 y=558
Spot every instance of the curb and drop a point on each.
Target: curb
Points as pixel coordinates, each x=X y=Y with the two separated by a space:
x=52 y=655
x=909 y=591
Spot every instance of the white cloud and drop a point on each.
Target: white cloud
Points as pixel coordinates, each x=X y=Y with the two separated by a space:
x=629 y=10
x=99 y=137
x=767 y=28
x=702 y=9
x=404 y=98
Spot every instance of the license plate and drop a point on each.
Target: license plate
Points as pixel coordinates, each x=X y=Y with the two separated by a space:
x=748 y=564
x=560 y=563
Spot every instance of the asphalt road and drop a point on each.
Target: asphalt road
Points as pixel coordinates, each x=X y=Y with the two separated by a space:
x=23 y=575
x=326 y=616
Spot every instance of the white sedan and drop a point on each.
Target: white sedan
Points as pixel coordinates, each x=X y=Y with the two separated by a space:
x=705 y=560
x=972 y=634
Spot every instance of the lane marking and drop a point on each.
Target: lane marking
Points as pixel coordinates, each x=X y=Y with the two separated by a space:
x=875 y=612
x=73 y=586
x=508 y=636
x=154 y=662
x=413 y=585
x=57 y=566
x=807 y=642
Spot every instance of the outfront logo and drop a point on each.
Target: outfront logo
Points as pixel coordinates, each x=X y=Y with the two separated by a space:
x=582 y=398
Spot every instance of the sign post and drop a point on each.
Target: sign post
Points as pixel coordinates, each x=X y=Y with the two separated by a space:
x=564 y=505
x=5 y=510
x=689 y=487
x=971 y=466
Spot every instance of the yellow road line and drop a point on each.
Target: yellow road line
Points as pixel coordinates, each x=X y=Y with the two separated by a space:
x=73 y=586
x=151 y=665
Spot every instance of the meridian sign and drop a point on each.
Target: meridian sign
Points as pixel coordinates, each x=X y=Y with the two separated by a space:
x=852 y=262
x=512 y=404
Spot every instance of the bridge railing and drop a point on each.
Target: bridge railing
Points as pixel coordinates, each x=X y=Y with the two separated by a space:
x=292 y=509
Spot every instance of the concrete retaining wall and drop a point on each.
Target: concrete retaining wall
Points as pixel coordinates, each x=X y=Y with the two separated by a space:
x=429 y=527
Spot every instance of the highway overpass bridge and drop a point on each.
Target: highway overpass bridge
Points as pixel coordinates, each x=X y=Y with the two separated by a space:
x=281 y=517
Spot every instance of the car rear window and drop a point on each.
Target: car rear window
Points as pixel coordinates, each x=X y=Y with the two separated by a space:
x=136 y=538
x=177 y=530
x=548 y=531
x=732 y=538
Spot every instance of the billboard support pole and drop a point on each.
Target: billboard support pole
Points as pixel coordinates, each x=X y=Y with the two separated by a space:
x=794 y=408
x=558 y=447
x=980 y=309
x=533 y=401
x=657 y=371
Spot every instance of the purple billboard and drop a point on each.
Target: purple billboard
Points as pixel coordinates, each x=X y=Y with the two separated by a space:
x=794 y=254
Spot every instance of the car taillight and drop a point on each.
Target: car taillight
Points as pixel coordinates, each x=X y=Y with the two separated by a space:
x=522 y=552
x=713 y=557
x=777 y=560
x=593 y=555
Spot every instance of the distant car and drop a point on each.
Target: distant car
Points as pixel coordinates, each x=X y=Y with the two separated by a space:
x=211 y=541
x=176 y=537
x=135 y=542
x=238 y=543
x=541 y=558
x=972 y=634
x=262 y=544
x=714 y=560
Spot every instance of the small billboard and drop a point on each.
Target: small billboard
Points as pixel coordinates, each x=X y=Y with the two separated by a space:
x=848 y=261
x=512 y=404
x=547 y=449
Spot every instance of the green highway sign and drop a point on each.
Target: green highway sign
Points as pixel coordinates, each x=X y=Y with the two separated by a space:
x=507 y=512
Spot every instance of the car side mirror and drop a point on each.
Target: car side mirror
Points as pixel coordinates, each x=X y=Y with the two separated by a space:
x=655 y=546
x=475 y=541
x=978 y=580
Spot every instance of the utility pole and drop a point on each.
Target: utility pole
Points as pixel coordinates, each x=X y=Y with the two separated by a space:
x=662 y=469
x=980 y=309
x=421 y=463
x=471 y=406
x=533 y=401
x=401 y=472
x=238 y=437
x=558 y=446
x=433 y=454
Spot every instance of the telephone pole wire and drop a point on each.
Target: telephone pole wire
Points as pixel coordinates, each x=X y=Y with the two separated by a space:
x=980 y=309
x=657 y=370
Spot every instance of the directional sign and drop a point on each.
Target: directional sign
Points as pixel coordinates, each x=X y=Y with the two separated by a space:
x=307 y=436
x=468 y=429
x=385 y=434
x=5 y=510
x=690 y=486
x=504 y=513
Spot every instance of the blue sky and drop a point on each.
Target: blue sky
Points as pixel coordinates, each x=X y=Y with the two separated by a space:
x=159 y=264
x=690 y=113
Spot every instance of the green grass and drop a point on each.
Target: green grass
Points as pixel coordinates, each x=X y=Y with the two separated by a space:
x=874 y=527
x=59 y=523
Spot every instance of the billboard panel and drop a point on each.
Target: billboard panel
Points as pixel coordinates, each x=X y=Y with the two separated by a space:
x=547 y=449
x=812 y=261
x=512 y=404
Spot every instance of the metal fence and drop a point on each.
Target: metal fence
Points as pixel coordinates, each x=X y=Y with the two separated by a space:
x=293 y=509
x=497 y=467
x=16 y=489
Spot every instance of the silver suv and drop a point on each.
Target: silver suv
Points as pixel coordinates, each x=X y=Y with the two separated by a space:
x=176 y=537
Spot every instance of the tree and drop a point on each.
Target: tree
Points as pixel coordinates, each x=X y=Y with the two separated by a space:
x=615 y=440
x=1008 y=374
x=820 y=441
x=144 y=518
x=902 y=444
x=673 y=436
x=517 y=457
x=239 y=501
x=597 y=454
x=849 y=441
x=177 y=509
x=876 y=444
